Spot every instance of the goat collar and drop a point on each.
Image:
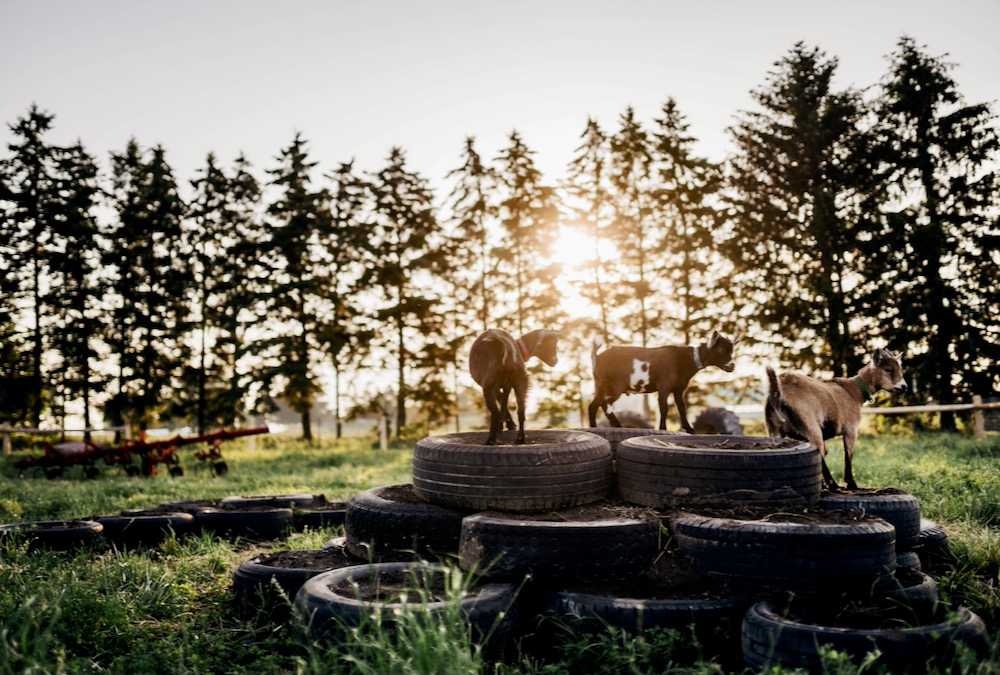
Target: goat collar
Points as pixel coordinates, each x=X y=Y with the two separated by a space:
x=864 y=389
x=697 y=358
x=525 y=353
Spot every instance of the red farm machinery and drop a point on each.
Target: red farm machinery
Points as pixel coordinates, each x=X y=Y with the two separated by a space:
x=136 y=457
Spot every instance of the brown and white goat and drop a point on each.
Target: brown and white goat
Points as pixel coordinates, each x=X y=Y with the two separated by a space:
x=812 y=410
x=643 y=370
x=496 y=362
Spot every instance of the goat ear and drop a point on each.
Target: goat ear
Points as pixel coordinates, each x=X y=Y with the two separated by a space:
x=547 y=332
x=714 y=339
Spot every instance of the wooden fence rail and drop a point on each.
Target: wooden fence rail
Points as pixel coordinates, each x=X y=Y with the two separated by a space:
x=977 y=406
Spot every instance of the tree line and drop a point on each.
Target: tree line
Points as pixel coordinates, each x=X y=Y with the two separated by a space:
x=844 y=220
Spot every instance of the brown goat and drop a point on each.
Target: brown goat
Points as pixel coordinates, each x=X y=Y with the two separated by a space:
x=812 y=410
x=642 y=370
x=496 y=362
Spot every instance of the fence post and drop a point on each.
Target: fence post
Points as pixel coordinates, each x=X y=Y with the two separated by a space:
x=978 y=420
x=5 y=431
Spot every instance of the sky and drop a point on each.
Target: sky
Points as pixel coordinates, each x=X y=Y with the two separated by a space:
x=359 y=78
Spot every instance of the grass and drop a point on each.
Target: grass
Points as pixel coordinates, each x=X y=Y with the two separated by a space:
x=169 y=610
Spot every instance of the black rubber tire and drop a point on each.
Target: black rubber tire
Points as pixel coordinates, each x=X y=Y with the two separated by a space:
x=260 y=583
x=932 y=547
x=908 y=559
x=901 y=510
x=291 y=501
x=593 y=613
x=789 y=555
x=148 y=528
x=693 y=470
x=770 y=640
x=921 y=596
x=615 y=435
x=555 y=469
x=504 y=546
x=392 y=524
x=263 y=524
x=321 y=514
x=490 y=608
x=717 y=421
x=56 y=535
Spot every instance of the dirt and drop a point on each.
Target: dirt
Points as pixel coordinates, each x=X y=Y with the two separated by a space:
x=403 y=494
x=606 y=509
x=310 y=559
x=670 y=577
x=396 y=587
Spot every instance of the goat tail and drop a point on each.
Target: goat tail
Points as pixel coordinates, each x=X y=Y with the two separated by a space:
x=594 y=346
x=774 y=386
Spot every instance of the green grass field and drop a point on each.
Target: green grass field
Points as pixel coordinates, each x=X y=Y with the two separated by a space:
x=169 y=610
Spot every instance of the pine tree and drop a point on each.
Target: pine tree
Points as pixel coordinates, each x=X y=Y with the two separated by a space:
x=223 y=227
x=149 y=280
x=688 y=186
x=939 y=254
x=473 y=215
x=529 y=221
x=75 y=296
x=633 y=194
x=29 y=184
x=404 y=248
x=296 y=294
x=589 y=192
x=345 y=341
x=794 y=240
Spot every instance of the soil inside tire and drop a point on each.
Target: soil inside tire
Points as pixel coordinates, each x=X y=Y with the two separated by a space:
x=671 y=577
x=311 y=559
x=396 y=587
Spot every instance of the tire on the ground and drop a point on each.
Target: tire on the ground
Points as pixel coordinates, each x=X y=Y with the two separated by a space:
x=789 y=555
x=292 y=501
x=57 y=535
x=717 y=421
x=901 y=510
x=264 y=584
x=505 y=546
x=392 y=524
x=148 y=528
x=327 y=604
x=321 y=513
x=258 y=524
x=554 y=469
x=769 y=640
x=700 y=470
x=932 y=547
x=593 y=612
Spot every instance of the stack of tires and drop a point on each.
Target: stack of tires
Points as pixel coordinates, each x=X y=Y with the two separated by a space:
x=563 y=530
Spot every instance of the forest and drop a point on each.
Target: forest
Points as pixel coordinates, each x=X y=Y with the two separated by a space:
x=843 y=221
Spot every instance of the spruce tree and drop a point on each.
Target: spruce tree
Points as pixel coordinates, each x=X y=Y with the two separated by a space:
x=76 y=297
x=939 y=254
x=295 y=296
x=149 y=283
x=794 y=238
x=529 y=223
x=404 y=250
x=29 y=186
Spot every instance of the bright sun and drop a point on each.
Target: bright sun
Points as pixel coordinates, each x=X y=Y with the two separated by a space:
x=573 y=251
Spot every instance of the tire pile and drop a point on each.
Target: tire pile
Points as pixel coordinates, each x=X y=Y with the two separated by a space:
x=581 y=527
